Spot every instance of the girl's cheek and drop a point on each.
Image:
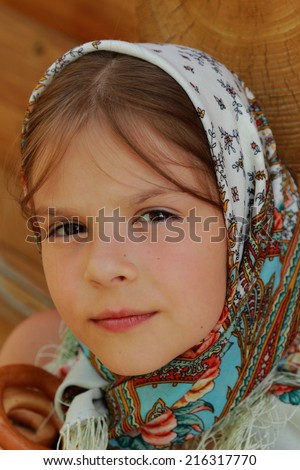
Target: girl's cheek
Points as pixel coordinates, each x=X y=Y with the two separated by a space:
x=59 y=270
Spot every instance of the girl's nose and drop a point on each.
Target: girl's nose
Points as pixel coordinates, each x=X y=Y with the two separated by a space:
x=108 y=265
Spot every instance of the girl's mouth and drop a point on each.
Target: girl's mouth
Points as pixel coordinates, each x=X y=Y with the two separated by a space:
x=122 y=320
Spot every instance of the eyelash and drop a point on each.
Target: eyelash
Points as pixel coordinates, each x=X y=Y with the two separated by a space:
x=167 y=215
x=80 y=228
x=54 y=231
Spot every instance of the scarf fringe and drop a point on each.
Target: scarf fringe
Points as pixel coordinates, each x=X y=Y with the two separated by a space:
x=58 y=355
x=89 y=434
x=253 y=424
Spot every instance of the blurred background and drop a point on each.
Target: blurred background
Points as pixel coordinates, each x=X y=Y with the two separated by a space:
x=258 y=40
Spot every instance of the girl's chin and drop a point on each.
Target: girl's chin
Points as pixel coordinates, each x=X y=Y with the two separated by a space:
x=133 y=367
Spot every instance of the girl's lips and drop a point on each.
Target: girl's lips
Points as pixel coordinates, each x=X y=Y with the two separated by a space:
x=118 y=323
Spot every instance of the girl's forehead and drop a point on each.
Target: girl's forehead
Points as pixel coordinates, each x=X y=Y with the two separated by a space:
x=96 y=152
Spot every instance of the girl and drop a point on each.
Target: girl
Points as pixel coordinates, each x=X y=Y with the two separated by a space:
x=169 y=234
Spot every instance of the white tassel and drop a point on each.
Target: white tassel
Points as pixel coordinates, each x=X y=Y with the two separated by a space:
x=253 y=424
x=86 y=423
x=89 y=434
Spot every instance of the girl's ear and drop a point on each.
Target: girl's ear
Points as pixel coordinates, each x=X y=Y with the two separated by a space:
x=248 y=34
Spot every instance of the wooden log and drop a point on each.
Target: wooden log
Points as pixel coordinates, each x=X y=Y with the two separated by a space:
x=258 y=40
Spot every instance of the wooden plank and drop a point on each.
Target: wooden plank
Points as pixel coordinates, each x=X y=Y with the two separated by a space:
x=27 y=49
x=13 y=231
x=84 y=20
x=8 y=321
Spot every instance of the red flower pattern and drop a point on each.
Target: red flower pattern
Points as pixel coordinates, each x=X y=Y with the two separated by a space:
x=204 y=384
x=159 y=432
x=277 y=220
x=278 y=389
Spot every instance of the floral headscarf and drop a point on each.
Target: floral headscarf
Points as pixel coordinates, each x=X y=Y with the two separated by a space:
x=257 y=332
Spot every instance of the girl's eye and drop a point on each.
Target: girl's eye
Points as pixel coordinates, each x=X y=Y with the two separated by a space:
x=156 y=216
x=66 y=229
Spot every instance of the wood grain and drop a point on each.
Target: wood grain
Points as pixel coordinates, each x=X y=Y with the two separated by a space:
x=83 y=20
x=258 y=40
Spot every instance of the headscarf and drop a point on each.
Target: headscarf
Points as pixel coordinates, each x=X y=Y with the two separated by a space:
x=257 y=332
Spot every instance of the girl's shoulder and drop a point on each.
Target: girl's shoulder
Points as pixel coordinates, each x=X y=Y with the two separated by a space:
x=31 y=337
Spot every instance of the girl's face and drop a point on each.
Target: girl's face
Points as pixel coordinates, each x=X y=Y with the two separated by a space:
x=136 y=268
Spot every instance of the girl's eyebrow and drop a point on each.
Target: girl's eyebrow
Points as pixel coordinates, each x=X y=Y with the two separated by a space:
x=145 y=195
x=47 y=211
x=139 y=198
